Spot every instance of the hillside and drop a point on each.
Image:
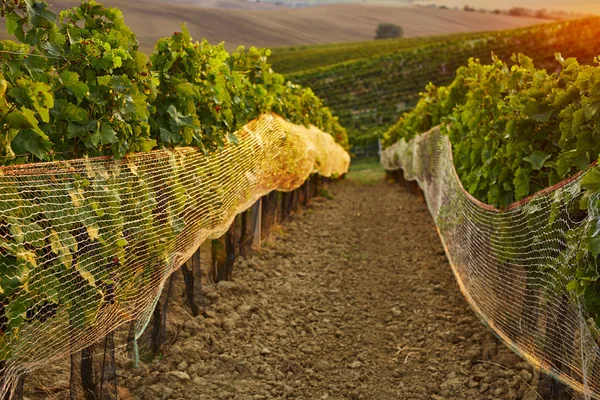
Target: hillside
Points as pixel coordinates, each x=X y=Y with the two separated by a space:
x=370 y=90
x=266 y=27
x=294 y=59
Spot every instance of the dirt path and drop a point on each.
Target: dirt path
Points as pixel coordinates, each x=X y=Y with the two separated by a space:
x=353 y=300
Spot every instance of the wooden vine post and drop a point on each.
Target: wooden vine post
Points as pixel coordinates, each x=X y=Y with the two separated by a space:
x=187 y=270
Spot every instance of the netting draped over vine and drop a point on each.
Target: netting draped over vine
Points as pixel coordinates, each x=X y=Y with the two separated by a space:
x=513 y=266
x=87 y=245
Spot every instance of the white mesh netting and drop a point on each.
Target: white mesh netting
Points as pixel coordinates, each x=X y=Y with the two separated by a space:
x=514 y=265
x=86 y=245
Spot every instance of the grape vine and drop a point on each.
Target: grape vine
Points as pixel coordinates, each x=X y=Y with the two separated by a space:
x=77 y=86
x=518 y=130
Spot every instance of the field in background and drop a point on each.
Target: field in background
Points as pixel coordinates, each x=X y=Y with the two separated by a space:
x=265 y=25
x=296 y=59
x=366 y=171
x=370 y=85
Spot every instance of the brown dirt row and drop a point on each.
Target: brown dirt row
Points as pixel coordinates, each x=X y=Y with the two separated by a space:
x=354 y=299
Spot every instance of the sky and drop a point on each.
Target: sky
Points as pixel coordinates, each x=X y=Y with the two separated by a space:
x=583 y=6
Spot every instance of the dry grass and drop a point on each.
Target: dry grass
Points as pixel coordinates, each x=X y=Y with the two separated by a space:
x=268 y=26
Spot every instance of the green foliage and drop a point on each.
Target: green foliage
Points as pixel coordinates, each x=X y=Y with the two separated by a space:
x=205 y=94
x=515 y=130
x=378 y=81
x=295 y=59
x=200 y=100
x=272 y=91
x=518 y=130
x=77 y=86
x=388 y=31
x=80 y=80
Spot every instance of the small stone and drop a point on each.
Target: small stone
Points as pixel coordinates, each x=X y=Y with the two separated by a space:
x=526 y=375
x=499 y=391
x=265 y=351
x=182 y=366
x=181 y=375
x=162 y=391
x=452 y=384
x=228 y=324
x=472 y=384
x=530 y=394
x=240 y=367
x=356 y=365
x=505 y=373
x=322 y=366
x=432 y=388
x=524 y=365
x=288 y=390
x=484 y=387
x=396 y=312
x=473 y=355
x=453 y=338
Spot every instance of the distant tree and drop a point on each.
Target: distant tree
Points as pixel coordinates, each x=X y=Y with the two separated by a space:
x=469 y=8
x=543 y=14
x=443 y=7
x=388 y=31
x=497 y=11
x=519 y=12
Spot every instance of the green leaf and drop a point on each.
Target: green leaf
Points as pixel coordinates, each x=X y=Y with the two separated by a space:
x=84 y=304
x=590 y=110
x=69 y=77
x=594 y=243
x=75 y=113
x=16 y=312
x=232 y=138
x=17 y=120
x=543 y=117
x=591 y=179
x=145 y=145
x=521 y=183
x=177 y=223
x=179 y=119
x=537 y=159
x=108 y=135
x=169 y=137
x=86 y=274
x=51 y=48
x=104 y=80
x=12 y=22
x=73 y=84
x=572 y=286
x=57 y=37
x=582 y=162
x=63 y=247
x=28 y=141
x=38 y=13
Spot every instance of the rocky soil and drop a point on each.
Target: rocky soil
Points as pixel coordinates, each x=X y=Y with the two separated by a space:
x=353 y=299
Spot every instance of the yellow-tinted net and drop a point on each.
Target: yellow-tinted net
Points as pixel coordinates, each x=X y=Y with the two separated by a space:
x=86 y=245
x=514 y=266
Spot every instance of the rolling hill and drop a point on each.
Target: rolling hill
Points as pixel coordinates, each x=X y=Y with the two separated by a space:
x=264 y=25
x=370 y=85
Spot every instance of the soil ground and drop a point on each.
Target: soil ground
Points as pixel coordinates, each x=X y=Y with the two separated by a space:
x=353 y=299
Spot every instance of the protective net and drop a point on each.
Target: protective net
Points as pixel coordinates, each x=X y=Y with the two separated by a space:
x=87 y=245
x=514 y=266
